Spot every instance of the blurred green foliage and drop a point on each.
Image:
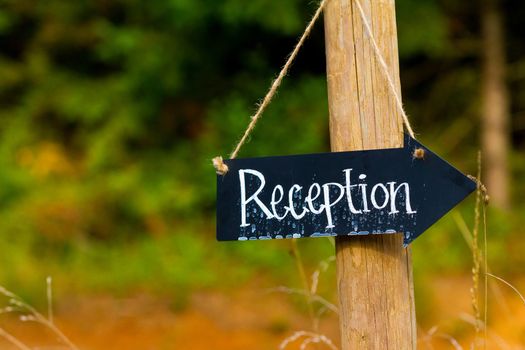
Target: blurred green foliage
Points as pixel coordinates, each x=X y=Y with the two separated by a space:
x=110 y=112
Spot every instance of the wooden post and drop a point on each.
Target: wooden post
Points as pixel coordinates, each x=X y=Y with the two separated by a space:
x=374 y=273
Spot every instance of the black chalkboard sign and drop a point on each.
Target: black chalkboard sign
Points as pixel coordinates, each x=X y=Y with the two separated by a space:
x=341 y=193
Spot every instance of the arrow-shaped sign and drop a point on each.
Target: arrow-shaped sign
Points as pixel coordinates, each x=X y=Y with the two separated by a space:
x=342 y=193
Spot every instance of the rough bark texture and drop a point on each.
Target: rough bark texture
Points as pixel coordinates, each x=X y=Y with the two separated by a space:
x=495 y=114
x=374 y=272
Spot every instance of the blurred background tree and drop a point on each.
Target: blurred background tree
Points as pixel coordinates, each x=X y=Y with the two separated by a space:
x=495 y=129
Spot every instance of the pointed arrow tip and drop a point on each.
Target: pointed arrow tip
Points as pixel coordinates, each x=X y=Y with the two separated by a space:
x=445 y=187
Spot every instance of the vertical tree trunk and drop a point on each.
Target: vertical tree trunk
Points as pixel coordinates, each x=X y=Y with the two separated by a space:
x=374 y=273
x=495 y=114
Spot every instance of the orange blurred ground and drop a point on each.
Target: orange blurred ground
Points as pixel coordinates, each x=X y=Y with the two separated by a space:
x=253 y=319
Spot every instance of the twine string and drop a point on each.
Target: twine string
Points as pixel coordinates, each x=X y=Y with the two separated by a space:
x=221 y=168
x=277 y=82
x=218 y=163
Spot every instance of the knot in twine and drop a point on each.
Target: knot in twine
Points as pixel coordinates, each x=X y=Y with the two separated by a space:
x=419 y=153
x=220 y=167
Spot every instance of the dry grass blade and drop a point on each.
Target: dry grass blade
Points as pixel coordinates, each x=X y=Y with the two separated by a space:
x=307 y=290
x=49 y=290
x=13 y=340
x=468 y=318
x=451 y=340
x=433 y=333
x=463 y=228
x=508 y=284
x=284 y=344
x=310 y=338
x=476 y=256
x=467 y=236
x=501 y=343
x=323 y=266
x=316 y=340
x=35 y=316
x=426 y=337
